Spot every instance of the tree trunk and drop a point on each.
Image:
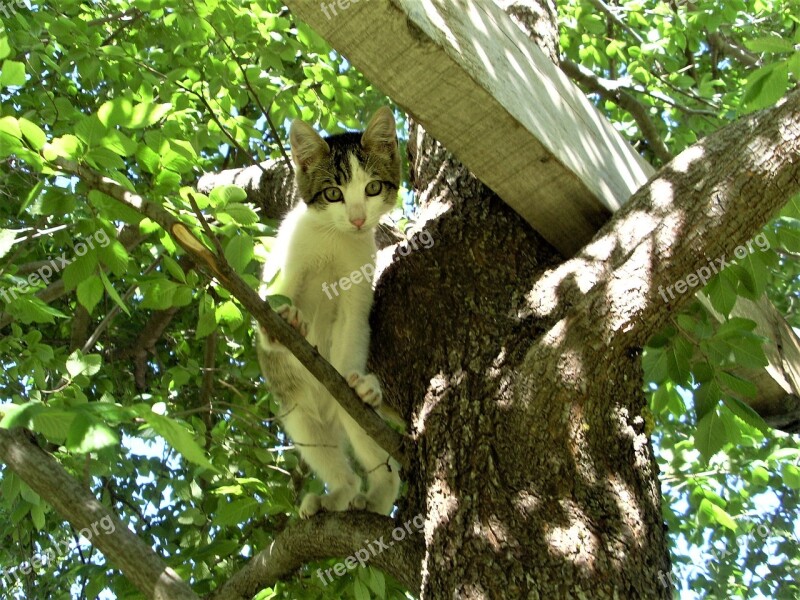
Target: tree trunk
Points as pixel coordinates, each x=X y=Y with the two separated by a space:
x=536 y=481
x=532 y=485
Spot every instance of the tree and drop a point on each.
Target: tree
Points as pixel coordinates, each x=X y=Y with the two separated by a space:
x=520 y=371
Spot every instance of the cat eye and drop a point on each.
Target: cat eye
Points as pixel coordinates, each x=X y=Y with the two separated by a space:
x=332 y=194
x=374 y=188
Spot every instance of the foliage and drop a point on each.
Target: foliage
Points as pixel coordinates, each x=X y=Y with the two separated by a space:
x=163 y=414
x=730 y=482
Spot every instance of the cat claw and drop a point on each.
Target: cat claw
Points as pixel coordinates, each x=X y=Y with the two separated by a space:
x=367 y=387
x=293 y=316
x=310 y=506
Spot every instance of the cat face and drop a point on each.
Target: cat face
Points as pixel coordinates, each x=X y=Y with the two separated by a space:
x=348 y=180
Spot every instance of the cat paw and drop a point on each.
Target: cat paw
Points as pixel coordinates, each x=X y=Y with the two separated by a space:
x=359 y=502
x=293 y=316
x=310 y=506
x=367 y=388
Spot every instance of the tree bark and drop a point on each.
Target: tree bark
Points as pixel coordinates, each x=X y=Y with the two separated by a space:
x=535 y=470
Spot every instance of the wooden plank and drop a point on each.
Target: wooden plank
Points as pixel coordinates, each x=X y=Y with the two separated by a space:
x=512 y=117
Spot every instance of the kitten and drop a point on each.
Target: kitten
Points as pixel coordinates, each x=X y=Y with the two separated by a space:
x=327 y=243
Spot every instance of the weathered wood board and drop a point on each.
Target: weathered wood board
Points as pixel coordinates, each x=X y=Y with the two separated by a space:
x=512 y=117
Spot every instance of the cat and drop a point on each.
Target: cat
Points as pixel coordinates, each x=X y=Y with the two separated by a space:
x=346 y=182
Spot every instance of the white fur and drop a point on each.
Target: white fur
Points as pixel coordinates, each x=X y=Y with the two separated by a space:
x=316 y=247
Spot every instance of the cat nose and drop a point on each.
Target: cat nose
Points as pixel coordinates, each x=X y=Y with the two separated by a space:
x=359 y=223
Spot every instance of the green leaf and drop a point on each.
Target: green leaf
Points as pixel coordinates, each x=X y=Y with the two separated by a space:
x=179 y=438
x=791 y=476
x=722 y=292
x=229 y=313
x=91 y=131
x=79 y=269
x=5 y=48
x=113 y=293
x=377 y=582
x=360 y=590
x=746 y=414
x=239 y=252
x=221 y=195
x=114 y=256
x=37 y=516
x=33 y=133
x=710 y=435
x=119 y=143
x=30 y=309
x=766 y=86
x=12 y=73
x=706 y=398
x=206 y=323
x=147 y=114
x=88 y=434
x=7 y=237
x=241 y=214
x=711 y=513
x=54 y=424
x=238 y=511
x=770 y=44
x=737 y=385
x=158 y=293
x=66 y=146
x=115 y=112
x=78 y=364
x=90 y=291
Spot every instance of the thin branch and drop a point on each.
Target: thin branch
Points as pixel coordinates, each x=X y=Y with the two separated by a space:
x=218 y=267
x=625 y=101
x=211 y=112
x=356 y=534
x=137 y=561
x=733 y=50
x=603 y=7
x=115 y=310
x=257 y=100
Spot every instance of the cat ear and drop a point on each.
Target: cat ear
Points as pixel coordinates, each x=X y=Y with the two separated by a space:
x=381 y=133
x=307 y=145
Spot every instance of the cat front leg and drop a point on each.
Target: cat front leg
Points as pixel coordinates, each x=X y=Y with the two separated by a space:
x=294 y=317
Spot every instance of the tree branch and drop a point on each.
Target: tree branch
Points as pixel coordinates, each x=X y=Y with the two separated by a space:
x=122 y=547
x=309 y=357
x=324 y=536
x=728 y=48
x=613 y=91
x=705 y=196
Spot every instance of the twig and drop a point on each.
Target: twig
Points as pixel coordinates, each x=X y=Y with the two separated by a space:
x=625 y=101
x=264 y=111
x=729 y=48
x=115 y=310
x=211 y=113
x=603 y=7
